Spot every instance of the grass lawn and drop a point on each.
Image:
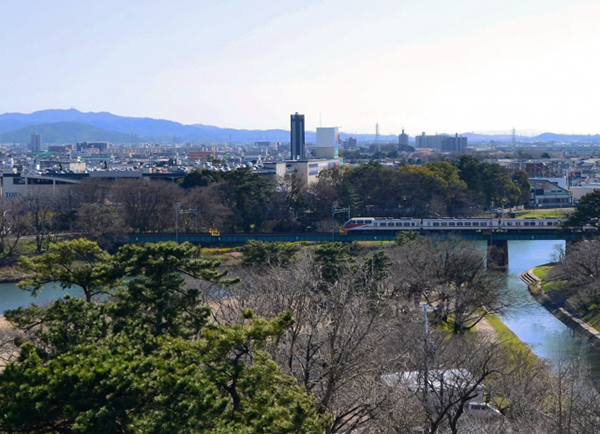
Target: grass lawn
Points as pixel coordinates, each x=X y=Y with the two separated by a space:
x=541 y=214
x=547 y=285
x=593 y=317
x=504 y=333
x=591 y=314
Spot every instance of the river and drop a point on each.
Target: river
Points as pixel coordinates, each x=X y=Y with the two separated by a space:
x=533 y=324
x=547 y=336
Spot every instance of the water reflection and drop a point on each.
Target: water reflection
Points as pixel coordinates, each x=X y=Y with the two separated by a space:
x=533 y=324
x=11 y=297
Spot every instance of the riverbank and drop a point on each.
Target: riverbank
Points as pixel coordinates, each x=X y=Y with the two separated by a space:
x=561 y=309
x=11 y=274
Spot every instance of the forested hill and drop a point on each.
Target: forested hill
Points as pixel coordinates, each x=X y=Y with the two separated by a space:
x=124 y=129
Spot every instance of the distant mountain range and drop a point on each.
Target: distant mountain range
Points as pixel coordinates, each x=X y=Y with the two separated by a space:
x=70 y=126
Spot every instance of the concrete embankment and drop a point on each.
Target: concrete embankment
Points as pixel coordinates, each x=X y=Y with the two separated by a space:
x=561 y=309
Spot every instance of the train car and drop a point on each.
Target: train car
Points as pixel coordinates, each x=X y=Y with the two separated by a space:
x=529 y=223
x=452 y=224
x=370 y=224
x=383 y=224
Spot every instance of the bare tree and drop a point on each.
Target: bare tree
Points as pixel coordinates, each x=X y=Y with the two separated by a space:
x=148 y=206
x=450 y=276
x=336 y=347
x=579 y=271
x=13 y=226
x=212 y=213
x=37 y=205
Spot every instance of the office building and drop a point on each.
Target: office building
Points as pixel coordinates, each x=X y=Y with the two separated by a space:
x=36 y=142
x=297 y=146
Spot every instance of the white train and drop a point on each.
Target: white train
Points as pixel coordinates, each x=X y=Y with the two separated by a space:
x=369 y=224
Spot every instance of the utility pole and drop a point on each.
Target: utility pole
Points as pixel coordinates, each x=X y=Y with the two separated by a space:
x=178 y=211
x=335 y=210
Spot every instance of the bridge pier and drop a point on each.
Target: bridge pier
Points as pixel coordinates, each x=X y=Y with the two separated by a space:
x=569 y=244
x=497 y=254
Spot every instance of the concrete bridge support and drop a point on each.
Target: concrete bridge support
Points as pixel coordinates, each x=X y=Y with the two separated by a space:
x=569 y=244
x=497 y=254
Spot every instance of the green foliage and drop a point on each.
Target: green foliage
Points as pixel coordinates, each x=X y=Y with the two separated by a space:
x=265 y=253
x=247 y=194
x=489 y=181
x=70 y=263
x=200 y=178
x=222 y=383
x=373 y=270
x=521 y=179
x=587 y=213
x=408 y=238
x=335 y=259
x=156 y=294
x=146 y=360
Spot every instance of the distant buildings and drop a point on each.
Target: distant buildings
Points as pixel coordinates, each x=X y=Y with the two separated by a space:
x=546 y=194
x=350 y=143
x=403 y=138
x=454 y=144
x=328 y=143
x=441 y=142
x=86 y=146
x=36 y=142
x=202 y=156
x=297 y=145
x=431 y=142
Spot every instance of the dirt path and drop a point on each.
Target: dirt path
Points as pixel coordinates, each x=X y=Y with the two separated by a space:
x=485 y=328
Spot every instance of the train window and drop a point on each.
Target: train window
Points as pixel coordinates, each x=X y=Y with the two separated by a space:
x=436 y=224
x=467 y=223
x=406 y=224
x=359 y=222
x=444 y=224
x=451 y=224
x=549 y=224
x=525 y=223
x=475 y=223
x=459 y=223
x=508 y=223
x=382 y=224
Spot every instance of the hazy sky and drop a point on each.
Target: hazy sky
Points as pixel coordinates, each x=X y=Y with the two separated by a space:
x=425 y=65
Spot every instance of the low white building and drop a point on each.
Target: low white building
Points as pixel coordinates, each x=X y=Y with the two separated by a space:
x=546 y=194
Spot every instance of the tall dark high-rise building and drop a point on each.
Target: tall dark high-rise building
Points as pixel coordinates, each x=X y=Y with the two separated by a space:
x=297 y=147
x=403 y=138
x=36 y=142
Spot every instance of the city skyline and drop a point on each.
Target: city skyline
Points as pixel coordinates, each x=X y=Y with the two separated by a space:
x=431 y=66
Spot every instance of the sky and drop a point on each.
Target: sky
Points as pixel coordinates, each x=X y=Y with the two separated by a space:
x=422 y=65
